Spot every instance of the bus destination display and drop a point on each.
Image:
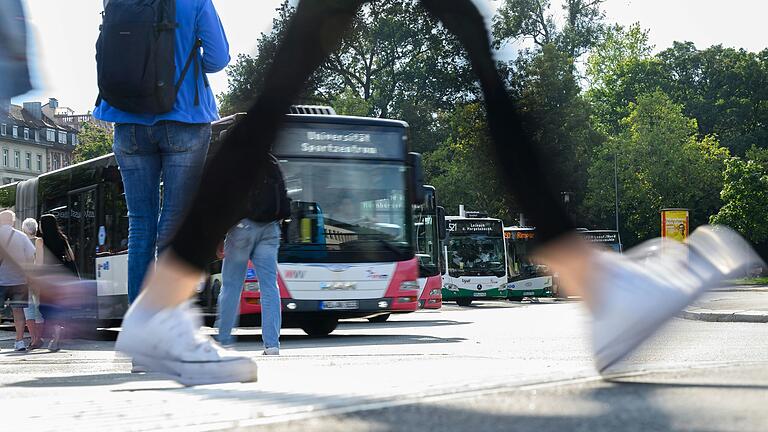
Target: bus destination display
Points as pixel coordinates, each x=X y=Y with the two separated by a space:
x=334 y=141
x=489 y=228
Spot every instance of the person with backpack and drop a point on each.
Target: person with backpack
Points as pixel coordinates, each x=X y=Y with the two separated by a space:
x=13 y=280
x=153 y=86
x=256 y=237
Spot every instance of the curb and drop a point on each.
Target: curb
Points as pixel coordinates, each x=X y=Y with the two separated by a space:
x=742 y=316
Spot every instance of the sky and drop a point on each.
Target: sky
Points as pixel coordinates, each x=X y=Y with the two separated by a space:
x=64 y=33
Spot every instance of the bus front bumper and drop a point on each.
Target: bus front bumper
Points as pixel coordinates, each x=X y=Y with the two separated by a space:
x=461 y=293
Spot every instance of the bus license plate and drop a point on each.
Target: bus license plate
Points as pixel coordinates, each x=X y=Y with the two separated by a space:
x=528 y=293
x=480 y=294
x=339 y=305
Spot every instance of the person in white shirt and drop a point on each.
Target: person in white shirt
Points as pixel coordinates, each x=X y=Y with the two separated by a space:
x=13 y=282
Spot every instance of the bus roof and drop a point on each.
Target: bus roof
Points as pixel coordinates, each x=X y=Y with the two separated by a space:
x=459 y=218
x=322 y=118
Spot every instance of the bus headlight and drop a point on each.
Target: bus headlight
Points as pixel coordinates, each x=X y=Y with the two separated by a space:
x=251 y=287
x=451 y=287
x=409 y=286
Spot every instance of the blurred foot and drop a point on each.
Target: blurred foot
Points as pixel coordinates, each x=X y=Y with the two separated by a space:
x=170 y=342
x=36 y=345
x=642 y=290
x=20 y=346
x=272 y=351
x=137 y=368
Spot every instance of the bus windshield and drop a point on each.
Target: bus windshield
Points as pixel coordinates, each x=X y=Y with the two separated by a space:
x=475 y=255
x=346 y=211
x=519 y=244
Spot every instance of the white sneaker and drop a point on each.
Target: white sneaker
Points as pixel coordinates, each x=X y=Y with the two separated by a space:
x=274 y=351
x=170 y=343
x=20 y=346
x=641 y=291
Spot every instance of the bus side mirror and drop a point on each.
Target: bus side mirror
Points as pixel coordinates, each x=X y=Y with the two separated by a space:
x=442 y=227
x=417 y=178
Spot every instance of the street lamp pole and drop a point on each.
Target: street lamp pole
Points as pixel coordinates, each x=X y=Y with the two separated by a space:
x=616 y=188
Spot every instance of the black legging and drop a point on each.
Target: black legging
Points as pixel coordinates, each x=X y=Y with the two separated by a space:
x=313 y=33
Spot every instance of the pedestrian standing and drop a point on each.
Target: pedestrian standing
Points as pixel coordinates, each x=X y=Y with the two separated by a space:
x=153 y=86
x=35 y=321
x=257 y=238
x=13 y=281
x=14 y=68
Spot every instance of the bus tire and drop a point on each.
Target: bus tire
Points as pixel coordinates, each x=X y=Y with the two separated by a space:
x=379 y=318
x=464 y=301
x=320 y=327
x=515 y=299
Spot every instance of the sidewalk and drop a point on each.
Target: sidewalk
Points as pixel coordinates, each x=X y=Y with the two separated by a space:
x=742 y=303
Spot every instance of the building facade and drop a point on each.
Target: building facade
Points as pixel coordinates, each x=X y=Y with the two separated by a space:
x=33 y=141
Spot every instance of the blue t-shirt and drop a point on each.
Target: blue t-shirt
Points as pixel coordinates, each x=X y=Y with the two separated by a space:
x=197 y=19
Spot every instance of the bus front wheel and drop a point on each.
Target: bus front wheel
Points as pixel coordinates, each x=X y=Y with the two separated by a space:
x=320 y=327
x=464 y=302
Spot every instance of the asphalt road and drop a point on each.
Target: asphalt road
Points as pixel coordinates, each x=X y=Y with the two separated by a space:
x=494 y=366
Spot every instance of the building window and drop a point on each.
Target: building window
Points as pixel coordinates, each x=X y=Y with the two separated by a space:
x=5 y=157
x=26 y=133
x=56 y=161
x=74 y=139
x=40 y=163
x=62 y=137
x=15 y=131
x=50 y=135
x=28 y=160
x=37 y=135
x=17 y=159
x=3 y=129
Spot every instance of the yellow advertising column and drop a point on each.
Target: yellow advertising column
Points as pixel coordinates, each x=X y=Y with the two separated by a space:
x=674 y=224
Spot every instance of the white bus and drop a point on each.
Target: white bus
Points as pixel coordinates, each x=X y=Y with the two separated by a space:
x=475 y=258
x=526 y=278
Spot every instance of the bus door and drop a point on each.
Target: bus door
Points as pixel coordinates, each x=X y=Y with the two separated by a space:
x=82 y=230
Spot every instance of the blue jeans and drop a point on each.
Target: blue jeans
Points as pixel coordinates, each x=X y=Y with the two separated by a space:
x=258 y=242
x=173 y=153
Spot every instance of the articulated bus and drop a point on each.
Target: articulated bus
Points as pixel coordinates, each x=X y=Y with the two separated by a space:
x=526 y=278
x=347 y=249
x=476 y=259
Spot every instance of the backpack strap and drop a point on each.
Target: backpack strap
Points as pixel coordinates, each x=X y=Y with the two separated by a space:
x=7 y=244
x=192 y=58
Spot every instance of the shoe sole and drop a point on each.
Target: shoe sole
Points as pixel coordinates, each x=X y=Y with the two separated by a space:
x=201 y=373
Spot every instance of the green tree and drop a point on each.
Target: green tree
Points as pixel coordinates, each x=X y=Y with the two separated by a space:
x=394 y=62
x=463 y=171
x=661 y=163
x=93 y=142
x=558 y=118
x=582 y=24
x=745 y=194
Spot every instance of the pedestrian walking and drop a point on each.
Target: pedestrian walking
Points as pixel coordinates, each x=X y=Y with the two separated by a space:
x=54 y=252
x=13 y=282
x=256 y=237
x=35 y=320
x=153 y=86
x=628 y=301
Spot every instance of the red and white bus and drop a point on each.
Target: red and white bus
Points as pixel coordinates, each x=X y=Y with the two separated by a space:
x=348 y=249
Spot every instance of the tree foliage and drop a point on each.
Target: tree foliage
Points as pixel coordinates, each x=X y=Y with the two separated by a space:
x=93 y=142
x=583 y=24
x=745 y=198
x=661 y=163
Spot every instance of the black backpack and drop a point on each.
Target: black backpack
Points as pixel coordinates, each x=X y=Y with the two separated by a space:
x=135 y=56
x=269 y=200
